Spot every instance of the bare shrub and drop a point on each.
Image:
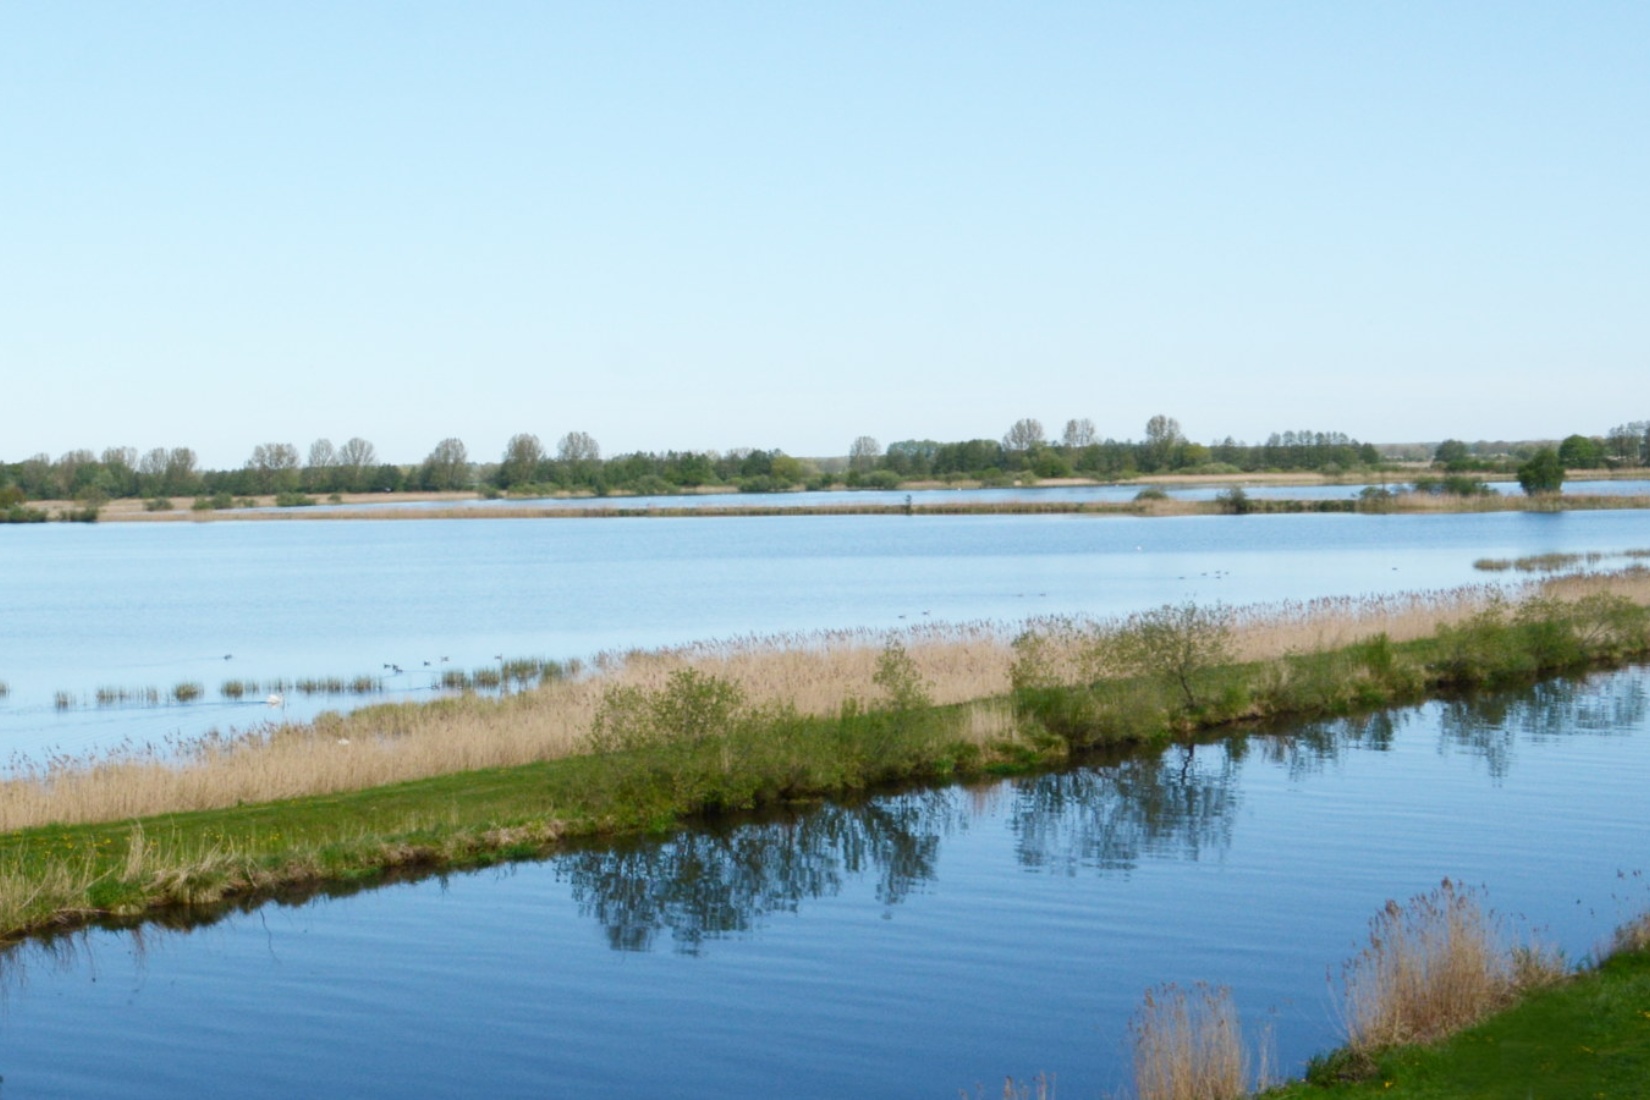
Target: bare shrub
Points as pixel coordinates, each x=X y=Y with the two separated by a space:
x=1188 y=1045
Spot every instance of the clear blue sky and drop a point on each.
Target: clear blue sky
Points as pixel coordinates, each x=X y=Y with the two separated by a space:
x=771 y=224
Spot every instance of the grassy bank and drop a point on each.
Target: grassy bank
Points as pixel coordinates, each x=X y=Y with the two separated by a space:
x=646 y=740
x=1587 y=1037
x=1437 y=1006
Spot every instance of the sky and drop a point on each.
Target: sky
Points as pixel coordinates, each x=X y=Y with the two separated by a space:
x=770 y=224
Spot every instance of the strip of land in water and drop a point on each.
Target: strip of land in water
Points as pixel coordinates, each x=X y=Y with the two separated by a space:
x=649 y=740
x=414 y=506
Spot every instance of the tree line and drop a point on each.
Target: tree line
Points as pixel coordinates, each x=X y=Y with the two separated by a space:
x=576 y=464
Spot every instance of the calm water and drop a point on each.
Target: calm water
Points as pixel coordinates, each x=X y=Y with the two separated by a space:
x=135 y=605
x=1114 y=494
x=913 y=946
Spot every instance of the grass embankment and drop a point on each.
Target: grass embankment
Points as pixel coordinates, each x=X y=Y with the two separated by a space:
x=649 y=739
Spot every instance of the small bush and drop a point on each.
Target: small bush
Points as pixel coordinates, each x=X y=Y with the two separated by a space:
x=691 y=706
x=1234 y=501
x=157 y=504
x=215 y=503
x=897 y=675
x=1150 y=492
x=1179 y=643
x=294 y=500
x=187 y=692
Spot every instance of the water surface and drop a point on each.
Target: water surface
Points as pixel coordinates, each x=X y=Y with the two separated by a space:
x=914 y=945
x=135 y=605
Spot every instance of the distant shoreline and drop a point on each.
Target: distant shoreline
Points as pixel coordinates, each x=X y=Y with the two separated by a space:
x=841 y=501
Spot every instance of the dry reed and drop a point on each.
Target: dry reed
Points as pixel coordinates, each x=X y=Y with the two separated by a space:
x=1630 y=937
x=1433 y=967
x=1188 y=1045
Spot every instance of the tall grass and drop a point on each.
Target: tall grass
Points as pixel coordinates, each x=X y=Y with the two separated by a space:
x=1434 y=966
x=1188 y=1045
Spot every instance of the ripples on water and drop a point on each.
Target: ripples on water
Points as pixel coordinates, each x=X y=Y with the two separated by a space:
x=914 y=944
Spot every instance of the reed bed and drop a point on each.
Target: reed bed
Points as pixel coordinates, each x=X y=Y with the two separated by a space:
x=970 y=665
x=1188 y=1045
x=1434 y=966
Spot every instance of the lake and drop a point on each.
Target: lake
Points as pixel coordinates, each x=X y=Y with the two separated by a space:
x=917 y=944
x=129 y=606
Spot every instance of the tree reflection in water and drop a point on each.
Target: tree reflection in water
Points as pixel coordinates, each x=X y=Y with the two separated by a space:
x=1306 y=748
x=1491 y=724
x=709 y=882
x=1177 y=805
x=704 y=883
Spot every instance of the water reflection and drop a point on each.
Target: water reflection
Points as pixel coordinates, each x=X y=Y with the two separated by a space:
x=1176 y=805
x=705 y=883
x=1305 y=749
x=1180 y=804
x=1490 y=725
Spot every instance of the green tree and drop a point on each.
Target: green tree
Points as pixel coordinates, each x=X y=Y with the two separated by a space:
x=447 y=467
x=522 y=456
x=1578 y=452
x=1543 y=473
x=1177 y=643
x=863 y=454
x=1163 y=441
x=1451 y=451
x=274 y=467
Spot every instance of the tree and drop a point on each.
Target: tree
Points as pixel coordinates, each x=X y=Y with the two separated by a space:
x=1177 y=643
x=1578 y=452
x=1078 y=434
x=182 y=473
x=274 y=467
x=1626 y=442
x=1163 y=439
x=1450 y=452
x=522 y=456
x=319 y=467
x=863 y=454
x=1163 y=431
x=447 y=467
x=1543 y=473
x=120 y=470
x=578 y=447
x=356 y=461
x=1025 y=435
